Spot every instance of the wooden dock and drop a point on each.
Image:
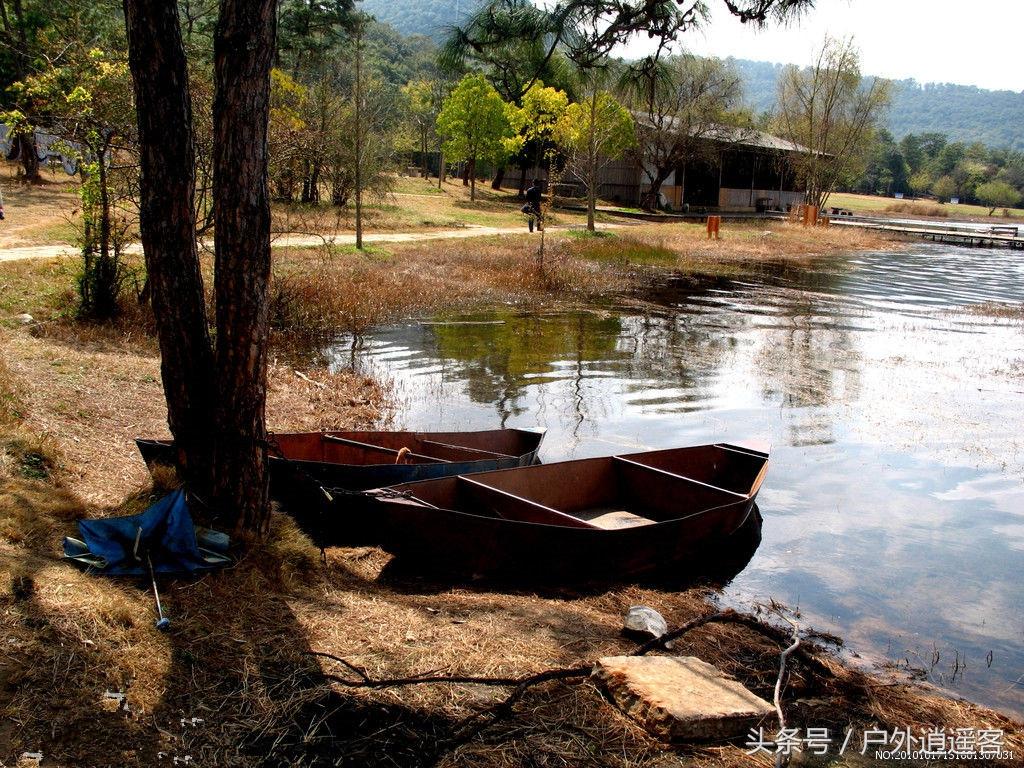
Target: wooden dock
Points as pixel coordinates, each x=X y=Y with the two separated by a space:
x=993 y=237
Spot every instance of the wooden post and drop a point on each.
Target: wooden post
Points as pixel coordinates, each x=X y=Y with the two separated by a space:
x=714 y=222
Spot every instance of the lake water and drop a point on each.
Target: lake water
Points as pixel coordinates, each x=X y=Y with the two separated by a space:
x=894 y=505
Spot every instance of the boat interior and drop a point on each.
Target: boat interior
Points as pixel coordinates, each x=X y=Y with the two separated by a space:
x=607 y=493
x=406 y=447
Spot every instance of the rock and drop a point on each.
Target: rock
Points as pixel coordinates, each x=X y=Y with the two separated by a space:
x=681 y=698
x=25 y=318
x=644 y=623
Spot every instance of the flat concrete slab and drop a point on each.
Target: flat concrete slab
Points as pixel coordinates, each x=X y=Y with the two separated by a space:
x=681 y=698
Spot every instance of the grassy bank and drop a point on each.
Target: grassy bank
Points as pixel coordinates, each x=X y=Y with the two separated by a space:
x=321 y=290
x=87 y=680
x=875 y=205
x=48 y=214
x=235 y=681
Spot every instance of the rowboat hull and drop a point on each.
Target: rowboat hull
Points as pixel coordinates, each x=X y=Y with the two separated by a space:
x=607 y=518
x=304 y=463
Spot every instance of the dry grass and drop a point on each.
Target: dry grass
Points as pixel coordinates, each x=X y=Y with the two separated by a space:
x=918 y=208
x=685 y=247
x=90 y=400
x=997 y=310
x=418 y=205
x=874 y=204
x=316 y=292
x=236 y=658
x=38 y=214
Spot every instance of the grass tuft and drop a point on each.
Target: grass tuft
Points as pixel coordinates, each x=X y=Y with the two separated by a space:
x=916 y=208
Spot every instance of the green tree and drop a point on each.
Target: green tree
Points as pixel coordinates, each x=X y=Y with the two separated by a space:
x=40 y=35
x=833 y=112
x=534 y=122
x=474 y=122
x=944 y=188
x=997 y=194
x=423 y=102
x=87 y=103
x=592 y=134
x=287 y=134
x=921 y=183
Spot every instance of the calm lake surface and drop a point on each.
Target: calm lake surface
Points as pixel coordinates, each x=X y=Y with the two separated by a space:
x=894 y=506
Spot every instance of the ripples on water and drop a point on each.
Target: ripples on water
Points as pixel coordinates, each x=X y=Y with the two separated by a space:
x=894 y=508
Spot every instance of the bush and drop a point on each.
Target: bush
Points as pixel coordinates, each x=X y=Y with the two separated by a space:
x=916 y=208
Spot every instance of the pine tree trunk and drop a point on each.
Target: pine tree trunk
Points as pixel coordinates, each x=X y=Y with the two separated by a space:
x=358 y=97
x=592 y=162
x=167 y=227
x=243 y=53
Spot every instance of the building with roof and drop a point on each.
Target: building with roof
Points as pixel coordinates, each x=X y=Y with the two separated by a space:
x=736 y=169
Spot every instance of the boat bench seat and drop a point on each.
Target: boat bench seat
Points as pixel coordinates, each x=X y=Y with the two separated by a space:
x=614 y=519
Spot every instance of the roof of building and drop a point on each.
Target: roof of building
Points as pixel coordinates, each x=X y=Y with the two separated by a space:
x=736 y=135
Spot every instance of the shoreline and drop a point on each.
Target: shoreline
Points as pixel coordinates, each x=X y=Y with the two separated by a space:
x=247 y=672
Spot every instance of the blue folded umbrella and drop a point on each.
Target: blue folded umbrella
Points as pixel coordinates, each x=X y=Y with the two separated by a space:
x=119 y=546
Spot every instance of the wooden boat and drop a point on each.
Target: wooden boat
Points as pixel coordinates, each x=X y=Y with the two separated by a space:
x=603 y=518
x=359 y=460
x=303 y=462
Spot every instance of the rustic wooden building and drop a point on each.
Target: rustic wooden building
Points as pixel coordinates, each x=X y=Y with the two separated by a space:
x=736 y=170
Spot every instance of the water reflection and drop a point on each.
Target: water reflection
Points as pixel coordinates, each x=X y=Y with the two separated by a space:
x=894 y=509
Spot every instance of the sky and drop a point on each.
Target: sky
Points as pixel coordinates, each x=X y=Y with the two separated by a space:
x=969 y=42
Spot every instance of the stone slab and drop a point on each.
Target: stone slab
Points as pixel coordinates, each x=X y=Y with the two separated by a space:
x=681 y=698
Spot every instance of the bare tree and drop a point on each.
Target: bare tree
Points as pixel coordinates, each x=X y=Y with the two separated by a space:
x=833 y=113
x=682 y=109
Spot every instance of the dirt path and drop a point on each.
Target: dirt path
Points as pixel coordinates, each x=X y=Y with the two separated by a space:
x=293 y=240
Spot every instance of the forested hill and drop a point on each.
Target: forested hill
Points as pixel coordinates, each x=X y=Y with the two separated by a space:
x=420 y=17
x=961 y=112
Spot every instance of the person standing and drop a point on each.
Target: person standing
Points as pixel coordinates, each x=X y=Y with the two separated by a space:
x=533 y=209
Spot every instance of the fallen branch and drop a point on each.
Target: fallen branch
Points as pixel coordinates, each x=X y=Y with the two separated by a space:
x=306 y=378
x=470 y=726
x=478 y=721
x=521 y=683
x=782 y=757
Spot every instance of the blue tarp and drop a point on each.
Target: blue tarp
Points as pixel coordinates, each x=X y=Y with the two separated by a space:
x=168 y=537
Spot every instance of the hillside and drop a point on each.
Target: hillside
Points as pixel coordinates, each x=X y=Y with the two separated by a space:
x=962 y=112
x=420 y=17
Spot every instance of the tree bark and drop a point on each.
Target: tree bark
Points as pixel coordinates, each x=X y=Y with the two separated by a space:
x=651 y=203
x=27 y=155
x=358 y=110
x=472 y=178
x=167 y=227
x=243 y=53
x=440 y=166
x=499 y=177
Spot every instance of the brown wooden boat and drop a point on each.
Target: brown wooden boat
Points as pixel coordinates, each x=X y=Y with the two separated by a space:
x=603 y=518
x=301 y=463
